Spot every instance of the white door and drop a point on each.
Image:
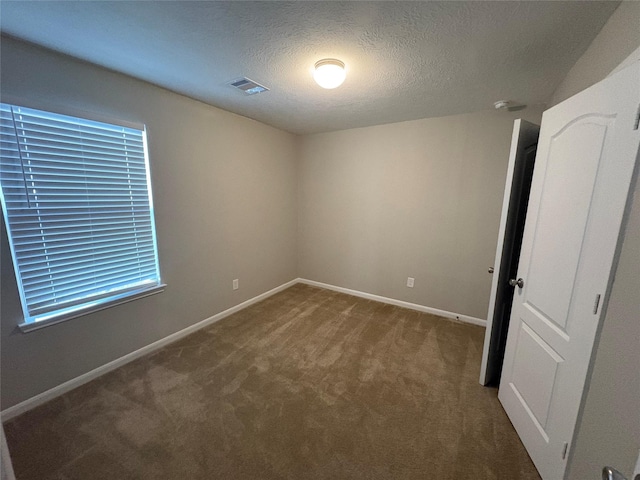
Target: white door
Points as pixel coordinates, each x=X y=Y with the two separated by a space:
x=587 y=149
x=524 y=136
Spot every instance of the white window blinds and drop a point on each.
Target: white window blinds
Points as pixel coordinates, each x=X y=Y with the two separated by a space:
x=77 y=204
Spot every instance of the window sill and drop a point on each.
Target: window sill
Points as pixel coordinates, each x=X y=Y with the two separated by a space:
x=37 y=325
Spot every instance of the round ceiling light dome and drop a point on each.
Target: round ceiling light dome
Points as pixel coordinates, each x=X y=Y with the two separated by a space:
x=329 y=73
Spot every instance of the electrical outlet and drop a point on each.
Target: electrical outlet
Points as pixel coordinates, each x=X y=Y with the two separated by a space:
x=410 y=281
x=236 y=284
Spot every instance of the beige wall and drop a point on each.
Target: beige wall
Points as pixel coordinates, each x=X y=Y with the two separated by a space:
x=619 y=37
x=225 y=200
x=609 y=429
x=415 y=199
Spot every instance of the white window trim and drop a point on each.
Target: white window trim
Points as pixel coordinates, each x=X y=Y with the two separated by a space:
x=126 y=297
x=71 y=111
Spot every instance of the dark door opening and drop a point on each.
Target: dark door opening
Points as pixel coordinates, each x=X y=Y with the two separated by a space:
x=517 y=214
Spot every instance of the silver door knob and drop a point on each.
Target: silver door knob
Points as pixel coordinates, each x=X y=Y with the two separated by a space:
x=609 y=473
x=519 y=282
x=490 y=269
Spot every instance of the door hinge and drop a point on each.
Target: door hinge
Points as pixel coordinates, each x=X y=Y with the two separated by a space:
x=637 y=122
x=564 y=450
x=596 y=304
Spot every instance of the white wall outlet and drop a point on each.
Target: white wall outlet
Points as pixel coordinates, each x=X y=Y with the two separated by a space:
x=410 y=281
x=236 y=284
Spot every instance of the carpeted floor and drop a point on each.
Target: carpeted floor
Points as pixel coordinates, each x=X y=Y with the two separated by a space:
x=308 y=384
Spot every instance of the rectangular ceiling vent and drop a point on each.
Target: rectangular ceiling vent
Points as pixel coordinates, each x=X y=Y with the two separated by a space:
x=248 y=86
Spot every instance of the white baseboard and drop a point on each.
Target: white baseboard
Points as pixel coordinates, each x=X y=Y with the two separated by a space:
x=69 y=385
x=399 y=303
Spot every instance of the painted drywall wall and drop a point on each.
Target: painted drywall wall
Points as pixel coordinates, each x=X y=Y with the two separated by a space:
x=6 y=468
x=417 y=199
x=609 y=428
x=619 y=37
x=608 y=432
x=225 y=205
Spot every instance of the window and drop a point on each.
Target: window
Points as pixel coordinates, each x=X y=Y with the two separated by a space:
x=76 y=199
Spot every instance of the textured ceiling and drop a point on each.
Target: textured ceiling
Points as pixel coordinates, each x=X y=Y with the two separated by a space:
x=405 y=60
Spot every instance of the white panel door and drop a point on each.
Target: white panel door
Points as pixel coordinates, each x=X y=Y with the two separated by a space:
x=587 y=149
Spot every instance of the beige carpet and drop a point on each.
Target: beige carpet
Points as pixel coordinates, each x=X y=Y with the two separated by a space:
x=308 y=384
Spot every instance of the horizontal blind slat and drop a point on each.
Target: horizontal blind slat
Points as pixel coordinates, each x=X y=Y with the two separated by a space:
x=64 y=121
x=42 y=273
x=82 y=226
x=62 y=221
x=65 y=258
x=110 y=240
x=67 y=136
x=101 y=282
x=62 y=236
x=77 y=206
x=84 y=298
x=33 y=159
x=92 y=147
x=68 y=172
x=63 y=282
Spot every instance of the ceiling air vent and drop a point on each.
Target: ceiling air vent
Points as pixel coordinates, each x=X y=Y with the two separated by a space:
x=248 y=86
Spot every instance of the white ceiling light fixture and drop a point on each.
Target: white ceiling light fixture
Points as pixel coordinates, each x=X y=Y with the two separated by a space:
x=329 y=73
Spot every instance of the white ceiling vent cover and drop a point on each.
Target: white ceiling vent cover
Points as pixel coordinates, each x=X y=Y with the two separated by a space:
x=248 y=86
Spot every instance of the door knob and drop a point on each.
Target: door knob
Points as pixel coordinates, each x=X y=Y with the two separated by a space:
x=609 y=473
x=513 y=282
x=490 y=269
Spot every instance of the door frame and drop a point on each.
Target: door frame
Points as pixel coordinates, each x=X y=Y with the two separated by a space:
x=523 y=135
